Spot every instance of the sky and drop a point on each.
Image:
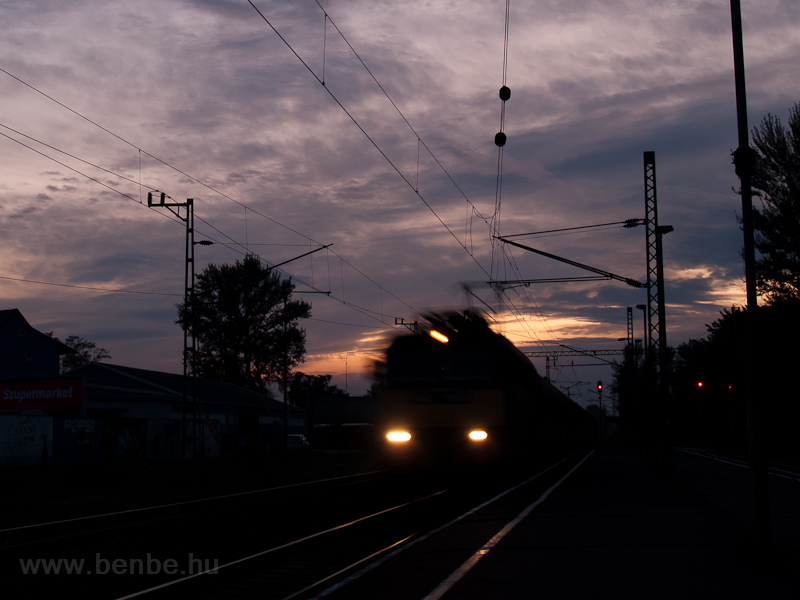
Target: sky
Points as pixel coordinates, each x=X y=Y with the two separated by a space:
x=370 y=126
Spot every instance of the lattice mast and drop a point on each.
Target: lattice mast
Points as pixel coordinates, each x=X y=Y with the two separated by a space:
x=651 y=337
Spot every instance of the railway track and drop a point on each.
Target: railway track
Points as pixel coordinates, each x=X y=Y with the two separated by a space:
x=775 y=469
x=290 y=542
x=297 y=567
x=35 y=532
x=108 y=553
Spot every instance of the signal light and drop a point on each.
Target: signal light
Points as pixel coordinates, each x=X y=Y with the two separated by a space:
x=599 y=386
x=699 y=384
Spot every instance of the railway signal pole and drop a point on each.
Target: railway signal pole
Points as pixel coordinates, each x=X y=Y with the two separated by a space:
x=189 y=340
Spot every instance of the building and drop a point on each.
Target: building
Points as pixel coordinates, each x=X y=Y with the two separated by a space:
x=102 y=412
x=25 y=351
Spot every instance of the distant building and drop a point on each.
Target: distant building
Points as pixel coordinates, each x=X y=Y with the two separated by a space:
x=25 y=351
x=227 y=418
x=101 y=412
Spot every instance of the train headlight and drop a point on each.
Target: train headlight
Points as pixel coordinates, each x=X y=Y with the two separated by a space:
x=478 y=435
x=439 y=337
x=398 y=436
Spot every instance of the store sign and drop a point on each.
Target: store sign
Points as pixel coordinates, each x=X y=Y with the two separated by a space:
x=41 y=394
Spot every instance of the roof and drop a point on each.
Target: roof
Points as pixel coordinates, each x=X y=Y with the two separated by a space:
x=159 y=385
x=8 y=316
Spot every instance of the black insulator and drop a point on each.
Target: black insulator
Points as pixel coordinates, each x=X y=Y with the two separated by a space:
x=744 y=160
x=505 y=93
x=500 y=139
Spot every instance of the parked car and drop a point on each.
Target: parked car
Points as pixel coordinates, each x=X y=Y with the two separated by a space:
x=296 y=441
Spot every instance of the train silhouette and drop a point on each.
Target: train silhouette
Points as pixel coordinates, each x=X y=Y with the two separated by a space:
x=456 y=392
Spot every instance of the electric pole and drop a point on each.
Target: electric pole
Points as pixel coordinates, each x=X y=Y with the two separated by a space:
x=189 y=340
x=744 y=158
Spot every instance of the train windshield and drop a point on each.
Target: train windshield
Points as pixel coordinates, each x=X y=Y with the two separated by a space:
x=461 y=368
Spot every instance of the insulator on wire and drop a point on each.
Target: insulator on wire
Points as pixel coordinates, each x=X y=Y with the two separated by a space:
x=505 y=93
x=500 y=139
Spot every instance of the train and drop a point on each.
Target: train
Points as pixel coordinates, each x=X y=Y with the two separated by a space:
x=456 y=392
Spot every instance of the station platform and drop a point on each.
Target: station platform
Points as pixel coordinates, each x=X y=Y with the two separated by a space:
x=618 y=528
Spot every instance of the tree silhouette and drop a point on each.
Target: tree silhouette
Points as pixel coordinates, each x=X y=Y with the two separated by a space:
x=305 y=389
x=776 y=182
x=245 y=323
x=85 y=352
x=716 y=412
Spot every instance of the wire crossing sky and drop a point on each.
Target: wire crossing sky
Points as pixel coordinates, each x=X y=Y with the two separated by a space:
x=203 y=100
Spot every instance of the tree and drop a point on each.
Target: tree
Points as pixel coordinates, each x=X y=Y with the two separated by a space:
x=716 y=412
x=305 y=389
x=245 y=323
x=85 y=352
x=776 y=181
x=635 y=384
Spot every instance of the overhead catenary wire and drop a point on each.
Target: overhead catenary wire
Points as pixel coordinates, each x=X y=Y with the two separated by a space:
x=140 y=151
x=474 y=211
x=492 y=220
x=165 y=163
x=169 y=165
x=155 y=158
x=364 y=131
x=420 y=141
x=82 y=174
x=86 y=162
x=500 y=142
x=89 y=287
x=363 y=310
x=167 y=215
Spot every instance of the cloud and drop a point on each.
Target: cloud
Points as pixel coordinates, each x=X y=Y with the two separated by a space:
x=208 y=88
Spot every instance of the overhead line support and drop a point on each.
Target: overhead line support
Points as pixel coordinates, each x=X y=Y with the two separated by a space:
x=651 y=223
x=189 y=339
x=628 y=280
